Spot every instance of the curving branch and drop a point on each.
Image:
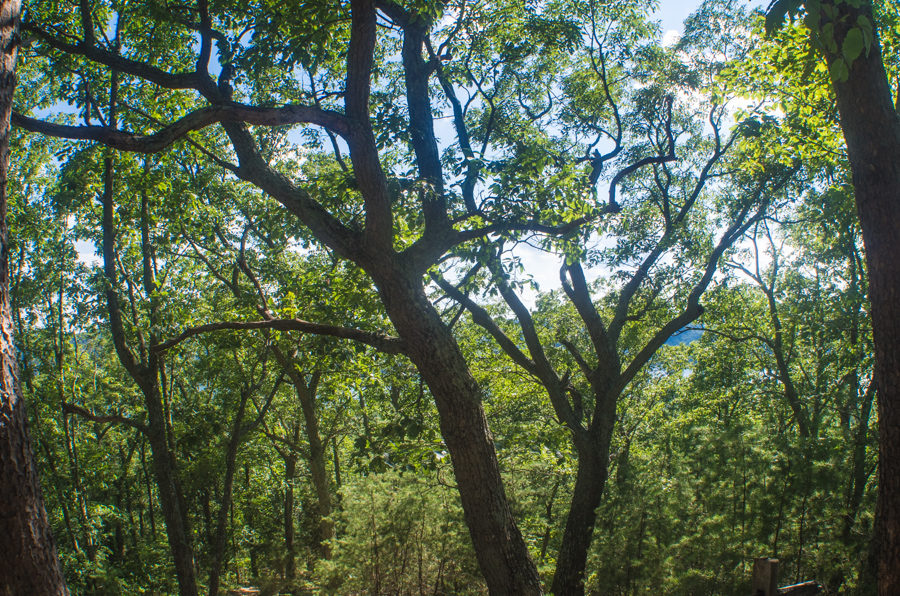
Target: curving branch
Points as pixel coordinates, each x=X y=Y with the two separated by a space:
x=196 y=120
x=580 y=295
x=670 y=156
x=573 y=350
x=528 y=226
x=693 y=309
x=483 y=319
x=95 y=53
x=118 y=418
x=382 y=343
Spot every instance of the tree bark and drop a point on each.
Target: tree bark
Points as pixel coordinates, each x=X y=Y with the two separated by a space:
x=499 y=546
x=28 y=560
x=872 y=133
x=593 y=463
x=168 y=494
x=290 y=557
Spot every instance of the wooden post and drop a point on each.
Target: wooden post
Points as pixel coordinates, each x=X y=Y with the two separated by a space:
x=765 y=577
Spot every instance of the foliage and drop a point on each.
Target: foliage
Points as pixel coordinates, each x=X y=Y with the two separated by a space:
x=310 y=462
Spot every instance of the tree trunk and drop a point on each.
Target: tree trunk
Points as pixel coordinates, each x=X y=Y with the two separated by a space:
x=323 y=496
x=146 y=375
x=593 y=465
x=28 y=559
x=227 y=489
x=499 y=546
x=169 y=499
x=306 y=394
x=872 y=133
x=290 y=557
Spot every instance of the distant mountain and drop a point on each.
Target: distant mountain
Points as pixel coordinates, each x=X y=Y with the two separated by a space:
x=684 y=337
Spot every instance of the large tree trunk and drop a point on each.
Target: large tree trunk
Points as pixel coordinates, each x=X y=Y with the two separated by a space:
x=872 y=132
x=593 y=463
x=499 y=546
x=28 y=559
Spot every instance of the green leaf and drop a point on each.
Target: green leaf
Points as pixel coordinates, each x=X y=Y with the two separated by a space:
x=853 y=45
x=839 y=70
x=868 y=30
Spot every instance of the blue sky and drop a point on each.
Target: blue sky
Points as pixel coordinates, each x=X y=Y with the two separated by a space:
x=672 y=13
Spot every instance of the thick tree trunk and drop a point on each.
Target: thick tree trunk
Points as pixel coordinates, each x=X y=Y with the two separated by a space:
x=499 y=546
x=593 y=463
x=28 y=559
x=872 y=132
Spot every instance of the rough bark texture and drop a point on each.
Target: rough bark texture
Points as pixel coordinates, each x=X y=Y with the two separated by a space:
x=499 y=546
x=568 y=579
x=872 y=133
x=28 y=559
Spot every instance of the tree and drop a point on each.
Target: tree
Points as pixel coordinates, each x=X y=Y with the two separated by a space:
x=587 y=359
x=28 y=561
x=847 y=34
x=362 y=230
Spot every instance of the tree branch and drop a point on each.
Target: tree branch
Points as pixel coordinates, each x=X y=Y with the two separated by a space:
x=157 y=76
x=196 y=120
x=73 y=409
x=383 y=343
x=484 y=320
x=670 y=156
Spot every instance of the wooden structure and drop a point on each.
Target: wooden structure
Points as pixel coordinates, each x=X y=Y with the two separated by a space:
x=765 y=581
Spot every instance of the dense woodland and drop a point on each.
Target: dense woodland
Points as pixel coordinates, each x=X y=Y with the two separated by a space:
x=445 y=298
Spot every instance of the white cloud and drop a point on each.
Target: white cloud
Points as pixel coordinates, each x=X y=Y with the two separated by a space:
x=670 y=38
